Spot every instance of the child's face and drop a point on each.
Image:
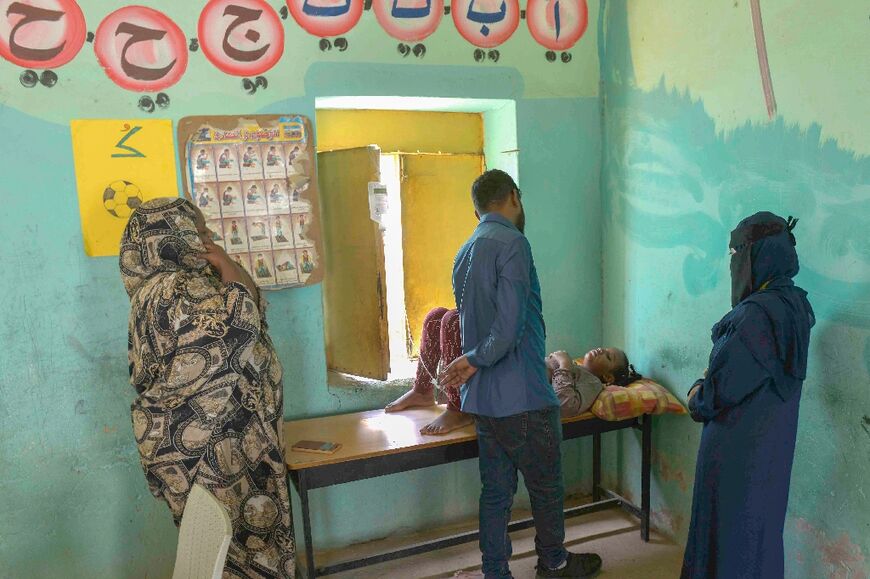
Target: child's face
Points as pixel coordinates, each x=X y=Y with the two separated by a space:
x=603 y=362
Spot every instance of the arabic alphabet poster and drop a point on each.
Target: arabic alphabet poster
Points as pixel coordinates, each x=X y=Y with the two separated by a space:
x=326 y=18
x=409 y=20
x=241 y=37
x=557 y=24
x=254 y=180
x=24 y=45
x=141 y=49
x=119 y=164
x=144 y=50
x=486 y=23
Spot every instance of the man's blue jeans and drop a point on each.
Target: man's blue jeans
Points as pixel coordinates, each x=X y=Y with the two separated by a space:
x=528 y=443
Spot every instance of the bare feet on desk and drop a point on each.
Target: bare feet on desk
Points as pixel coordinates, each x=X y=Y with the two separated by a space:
x=410 y=399
x=449 y=421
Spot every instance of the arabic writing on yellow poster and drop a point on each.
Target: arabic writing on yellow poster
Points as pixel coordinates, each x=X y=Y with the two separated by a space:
x=119 y=164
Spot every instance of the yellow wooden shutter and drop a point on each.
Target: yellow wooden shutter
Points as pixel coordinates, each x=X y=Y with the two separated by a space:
x=437 y=218
x=354 y=300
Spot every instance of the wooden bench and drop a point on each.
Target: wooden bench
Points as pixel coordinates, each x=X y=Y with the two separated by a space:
x=375 y=444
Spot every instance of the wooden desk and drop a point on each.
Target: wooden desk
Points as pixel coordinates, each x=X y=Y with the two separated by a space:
x=375 y=444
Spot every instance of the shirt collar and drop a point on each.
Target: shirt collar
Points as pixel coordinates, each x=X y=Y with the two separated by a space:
x=497 y=218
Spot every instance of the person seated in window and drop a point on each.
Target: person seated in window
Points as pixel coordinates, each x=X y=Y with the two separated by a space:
x=439 y=342
x=576 y=385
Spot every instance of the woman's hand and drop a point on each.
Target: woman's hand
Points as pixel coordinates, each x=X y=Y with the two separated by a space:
x=692 y=392
x=457 y=373
x=229 y=270
x=218 y=258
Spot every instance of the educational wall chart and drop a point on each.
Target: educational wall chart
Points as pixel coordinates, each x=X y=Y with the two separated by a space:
x=254 y=178
x=119 y=164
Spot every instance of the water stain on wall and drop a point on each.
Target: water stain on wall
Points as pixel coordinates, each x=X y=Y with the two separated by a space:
x=670 y=521
x=667 y=472
x=838 y=558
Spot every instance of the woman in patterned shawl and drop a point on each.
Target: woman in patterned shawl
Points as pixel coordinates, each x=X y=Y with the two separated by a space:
x=209 y=406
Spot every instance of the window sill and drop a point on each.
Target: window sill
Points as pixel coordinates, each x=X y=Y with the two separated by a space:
x=339 y=380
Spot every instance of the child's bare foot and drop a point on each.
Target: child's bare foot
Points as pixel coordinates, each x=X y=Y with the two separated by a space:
x=449 y=421
x=410 y=399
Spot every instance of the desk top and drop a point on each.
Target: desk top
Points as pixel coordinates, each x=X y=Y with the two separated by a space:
x=372 y=433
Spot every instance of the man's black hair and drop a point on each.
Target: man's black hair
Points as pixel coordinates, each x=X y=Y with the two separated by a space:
x=491 y=189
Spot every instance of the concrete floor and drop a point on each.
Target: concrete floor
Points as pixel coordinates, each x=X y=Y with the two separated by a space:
x=614 y=535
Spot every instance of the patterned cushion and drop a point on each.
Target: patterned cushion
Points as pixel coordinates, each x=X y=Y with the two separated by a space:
x=641 y=397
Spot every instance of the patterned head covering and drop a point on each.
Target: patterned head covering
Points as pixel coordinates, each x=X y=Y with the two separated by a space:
x=160 y=237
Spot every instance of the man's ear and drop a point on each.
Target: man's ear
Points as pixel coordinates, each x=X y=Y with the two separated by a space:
x=515 y=198
x=608 y=378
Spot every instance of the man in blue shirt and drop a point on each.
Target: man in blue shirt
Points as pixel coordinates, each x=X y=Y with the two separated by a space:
x=504 y=383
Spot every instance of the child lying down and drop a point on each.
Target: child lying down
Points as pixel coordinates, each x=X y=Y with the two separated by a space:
x=576 y=384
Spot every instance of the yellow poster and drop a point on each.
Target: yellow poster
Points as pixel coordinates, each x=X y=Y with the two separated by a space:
x=119 y=164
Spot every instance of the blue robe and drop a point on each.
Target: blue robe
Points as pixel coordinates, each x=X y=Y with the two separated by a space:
x=749 y=405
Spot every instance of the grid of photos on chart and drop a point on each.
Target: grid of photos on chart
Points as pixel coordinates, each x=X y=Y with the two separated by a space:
x=253 y=196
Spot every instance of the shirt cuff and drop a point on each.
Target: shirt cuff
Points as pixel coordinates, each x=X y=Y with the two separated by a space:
x=473 y=359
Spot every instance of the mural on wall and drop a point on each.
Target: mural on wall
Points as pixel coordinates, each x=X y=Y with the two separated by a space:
x=242 y=38
x=143 y=50
x=41 y=35
x=119 y=164
x=557 y=25
x=486 y=24
x=675 y=181
x=691 y=196
x=409 y=21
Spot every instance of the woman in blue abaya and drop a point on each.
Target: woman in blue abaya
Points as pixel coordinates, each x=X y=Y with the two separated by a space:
x=748 y=402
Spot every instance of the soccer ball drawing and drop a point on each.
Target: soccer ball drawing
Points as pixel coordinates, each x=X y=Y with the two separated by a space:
x=120 y=198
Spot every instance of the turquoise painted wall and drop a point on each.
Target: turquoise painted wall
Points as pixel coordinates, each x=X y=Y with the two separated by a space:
x=75 y=503
x=688 y=152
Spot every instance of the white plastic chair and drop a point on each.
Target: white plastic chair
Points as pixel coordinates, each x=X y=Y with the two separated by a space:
x=203 y=538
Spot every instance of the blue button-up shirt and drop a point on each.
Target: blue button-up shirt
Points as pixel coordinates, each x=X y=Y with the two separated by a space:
x=498 y=296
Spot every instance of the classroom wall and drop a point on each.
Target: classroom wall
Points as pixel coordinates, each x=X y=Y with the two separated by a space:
x=688 y=151
x=75 y=502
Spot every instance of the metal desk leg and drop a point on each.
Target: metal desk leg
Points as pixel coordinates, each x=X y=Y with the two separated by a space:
x=311 y=571
x=646 y=472
x=596 y=467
